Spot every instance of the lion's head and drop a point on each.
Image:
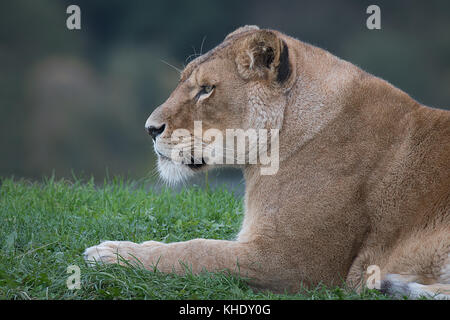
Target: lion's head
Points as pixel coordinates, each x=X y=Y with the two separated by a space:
x=240 y=84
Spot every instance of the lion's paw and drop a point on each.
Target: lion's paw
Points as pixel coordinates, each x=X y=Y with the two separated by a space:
x=108 y=252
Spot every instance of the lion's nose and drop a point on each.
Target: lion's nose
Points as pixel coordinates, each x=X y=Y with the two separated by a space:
x=154 y=131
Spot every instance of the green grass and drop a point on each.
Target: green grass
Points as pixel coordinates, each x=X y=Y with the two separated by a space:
x=45 y=227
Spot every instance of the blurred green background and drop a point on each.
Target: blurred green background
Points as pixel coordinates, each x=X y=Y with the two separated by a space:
x=77 y=101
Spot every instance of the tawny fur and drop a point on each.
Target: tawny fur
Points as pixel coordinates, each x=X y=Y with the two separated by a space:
x=363 y=179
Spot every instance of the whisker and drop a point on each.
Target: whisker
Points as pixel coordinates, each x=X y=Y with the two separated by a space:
x=201 y=46
x=165 y=62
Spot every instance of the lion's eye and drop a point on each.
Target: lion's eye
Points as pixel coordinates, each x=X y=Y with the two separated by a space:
x=205 y=90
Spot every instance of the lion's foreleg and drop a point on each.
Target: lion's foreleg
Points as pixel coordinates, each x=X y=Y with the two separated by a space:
x=197 y=255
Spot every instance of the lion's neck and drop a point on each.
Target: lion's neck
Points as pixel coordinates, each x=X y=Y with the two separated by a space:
x=329 y=90
x=316 y=99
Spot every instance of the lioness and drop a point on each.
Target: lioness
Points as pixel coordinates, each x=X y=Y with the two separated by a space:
x=363 y=179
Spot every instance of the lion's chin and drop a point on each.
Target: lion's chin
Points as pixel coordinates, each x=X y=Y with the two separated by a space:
x=172 y=172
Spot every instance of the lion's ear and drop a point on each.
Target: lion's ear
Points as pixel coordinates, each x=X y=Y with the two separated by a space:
x=263 y=55
x=241 y=30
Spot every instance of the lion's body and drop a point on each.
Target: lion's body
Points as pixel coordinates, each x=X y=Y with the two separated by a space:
x=363 y=178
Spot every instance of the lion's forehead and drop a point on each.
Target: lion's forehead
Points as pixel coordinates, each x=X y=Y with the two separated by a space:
x=222 y=50
x=194 y=64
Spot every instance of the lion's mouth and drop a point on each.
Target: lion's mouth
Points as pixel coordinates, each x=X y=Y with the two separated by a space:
x=192 y=165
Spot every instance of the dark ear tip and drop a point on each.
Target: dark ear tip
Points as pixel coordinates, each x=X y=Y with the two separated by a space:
x=284 y=67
